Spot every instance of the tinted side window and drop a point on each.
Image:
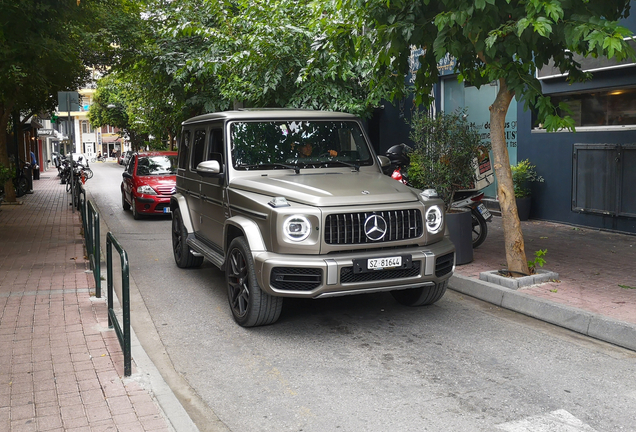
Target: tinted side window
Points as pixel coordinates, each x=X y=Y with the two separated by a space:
x=184 y=146
x=215 y=147
x=198 y=146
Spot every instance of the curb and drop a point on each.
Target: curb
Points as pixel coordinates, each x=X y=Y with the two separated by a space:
x=587 y=323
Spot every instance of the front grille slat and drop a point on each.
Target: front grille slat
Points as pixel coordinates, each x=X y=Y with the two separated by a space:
x=348 y=228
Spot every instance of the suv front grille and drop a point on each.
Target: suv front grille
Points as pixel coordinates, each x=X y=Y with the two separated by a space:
x=348 y=276
x=295 y=278
x=348 y=228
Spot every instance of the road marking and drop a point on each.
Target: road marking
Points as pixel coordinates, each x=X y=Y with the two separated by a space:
x=555 y=421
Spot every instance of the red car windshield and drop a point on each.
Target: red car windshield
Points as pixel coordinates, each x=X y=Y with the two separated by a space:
x=157 y=165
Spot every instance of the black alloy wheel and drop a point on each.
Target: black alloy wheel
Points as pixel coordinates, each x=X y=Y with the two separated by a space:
x=182 y=255
x=250 y=306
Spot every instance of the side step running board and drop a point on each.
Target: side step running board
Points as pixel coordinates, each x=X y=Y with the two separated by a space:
x=210 y=254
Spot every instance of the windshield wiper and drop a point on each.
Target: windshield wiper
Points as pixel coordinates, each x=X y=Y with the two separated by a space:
x=296 y=168
x=355 y=166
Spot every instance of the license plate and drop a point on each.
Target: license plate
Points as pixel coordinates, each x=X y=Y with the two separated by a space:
x=166 y=210
x=484 y=211
x=384 y=263
x=365 y=265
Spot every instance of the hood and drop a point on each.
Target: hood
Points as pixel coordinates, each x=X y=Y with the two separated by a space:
x=329 y=189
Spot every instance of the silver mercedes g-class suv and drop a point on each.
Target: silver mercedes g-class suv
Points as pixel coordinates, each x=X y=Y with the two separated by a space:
x=293 y=203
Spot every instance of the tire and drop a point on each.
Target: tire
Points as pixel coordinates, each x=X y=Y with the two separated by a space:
x=182 y=255
x=133 y=206
x=88 y=173
x=480 y=228
x=124 y=203
x=79 y=193
x=421 y=296
x=250 y=306
x=92 y=160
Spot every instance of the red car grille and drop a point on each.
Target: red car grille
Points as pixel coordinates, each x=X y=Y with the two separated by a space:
x=166 y=190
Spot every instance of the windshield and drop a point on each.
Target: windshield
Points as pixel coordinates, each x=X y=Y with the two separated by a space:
x=157 y=165
x=285 y=144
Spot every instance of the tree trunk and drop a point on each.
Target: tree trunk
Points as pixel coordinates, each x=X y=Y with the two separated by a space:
x=513 y=237
x=9 y=190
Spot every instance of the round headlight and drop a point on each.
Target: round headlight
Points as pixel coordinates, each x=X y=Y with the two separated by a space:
x=434 y=219
x=297 y=228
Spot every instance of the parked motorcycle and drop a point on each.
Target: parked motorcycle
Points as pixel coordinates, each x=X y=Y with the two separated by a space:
x=398 y=170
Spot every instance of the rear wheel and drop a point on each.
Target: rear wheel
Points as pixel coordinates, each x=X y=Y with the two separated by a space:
x=250 y=306
x=480 y=228
x=182 y=255
x=420 y=296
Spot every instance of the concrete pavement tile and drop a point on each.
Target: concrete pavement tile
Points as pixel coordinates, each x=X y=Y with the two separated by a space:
x=104 y=426
x=67 y=387
x=28 y=425
x=122 y=420
x=49 y=423
x=92 y=396
x=97 y=412
x=22 y=412
x=45 y=396
x=119 y=404
x=79 y=424
x=69 y=399
x=154 y=423
x=73 y=412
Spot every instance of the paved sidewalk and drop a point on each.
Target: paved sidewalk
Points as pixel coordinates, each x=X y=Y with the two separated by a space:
x=596 y=290
x=61 y=368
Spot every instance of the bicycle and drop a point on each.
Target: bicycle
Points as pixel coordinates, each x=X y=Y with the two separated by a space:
x=20 y=181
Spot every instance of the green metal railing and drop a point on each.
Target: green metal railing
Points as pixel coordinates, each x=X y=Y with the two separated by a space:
x=123 y=336
x=90 y=224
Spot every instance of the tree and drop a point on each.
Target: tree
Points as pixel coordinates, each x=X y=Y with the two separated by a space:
x=492 y=40
x=45 y=47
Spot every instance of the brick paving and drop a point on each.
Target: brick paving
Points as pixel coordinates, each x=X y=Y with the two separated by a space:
x=61 y=368
x=597 y=269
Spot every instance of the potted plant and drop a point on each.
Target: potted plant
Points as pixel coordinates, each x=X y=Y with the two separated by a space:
x=523 y=173
x=445 y=157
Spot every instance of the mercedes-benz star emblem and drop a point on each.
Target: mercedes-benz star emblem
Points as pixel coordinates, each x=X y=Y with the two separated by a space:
x=375 y=227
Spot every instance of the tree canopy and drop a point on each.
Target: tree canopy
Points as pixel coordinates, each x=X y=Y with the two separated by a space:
x=46 y=47
x=492 y=40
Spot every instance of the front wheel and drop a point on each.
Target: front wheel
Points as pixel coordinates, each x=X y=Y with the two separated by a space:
x=135 y=212
x=182 y=255
x=480 y=228
x=124 y=203
x=250 y=306
x=421 y=296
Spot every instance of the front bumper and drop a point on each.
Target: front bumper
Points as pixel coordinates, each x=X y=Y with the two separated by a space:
x=315 y=276
x=149 y=204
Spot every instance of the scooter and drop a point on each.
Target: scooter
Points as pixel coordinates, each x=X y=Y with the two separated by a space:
x=398 y=170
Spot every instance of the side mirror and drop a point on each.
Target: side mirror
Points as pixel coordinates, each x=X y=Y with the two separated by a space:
x=209 y=168
x=126 y=174
x=384 y=161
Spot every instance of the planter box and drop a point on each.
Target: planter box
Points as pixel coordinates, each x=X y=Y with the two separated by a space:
x=542 y=276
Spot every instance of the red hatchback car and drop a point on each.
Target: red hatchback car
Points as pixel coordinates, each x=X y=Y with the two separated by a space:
x=148 y=182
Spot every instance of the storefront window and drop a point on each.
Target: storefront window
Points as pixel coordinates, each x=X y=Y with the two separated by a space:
x=601 y=108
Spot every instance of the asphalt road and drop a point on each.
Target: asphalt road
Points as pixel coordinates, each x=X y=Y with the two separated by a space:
x=360 y=363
